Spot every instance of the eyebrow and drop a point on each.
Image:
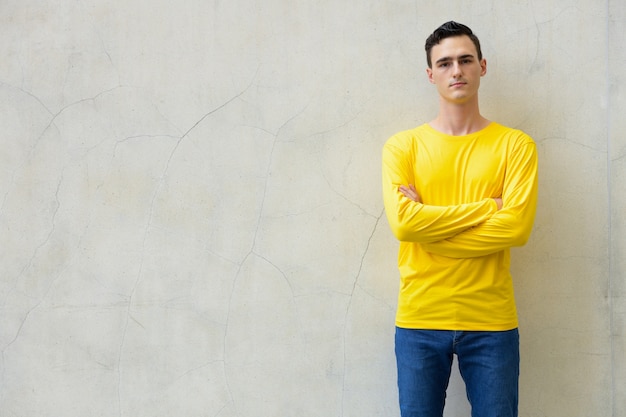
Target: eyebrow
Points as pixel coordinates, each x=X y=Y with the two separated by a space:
x=448 y=58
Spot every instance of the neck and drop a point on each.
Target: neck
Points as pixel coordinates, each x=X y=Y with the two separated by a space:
x=459 y=119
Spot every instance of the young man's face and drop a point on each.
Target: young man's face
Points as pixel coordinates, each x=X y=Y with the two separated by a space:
x=456 y=69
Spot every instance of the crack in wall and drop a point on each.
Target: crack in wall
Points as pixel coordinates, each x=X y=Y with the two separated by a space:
x=31 y=261
x=148 y=226
x=38 y=248
x=11 y=184
x=252 y=252
x=34 y=146
x=47 y=290
x=349 y=306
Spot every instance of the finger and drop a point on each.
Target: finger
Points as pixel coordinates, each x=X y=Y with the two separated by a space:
x=410 y=196
x=405 y=190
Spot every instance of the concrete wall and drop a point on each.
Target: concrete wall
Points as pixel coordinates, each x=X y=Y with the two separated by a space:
x=191 y=220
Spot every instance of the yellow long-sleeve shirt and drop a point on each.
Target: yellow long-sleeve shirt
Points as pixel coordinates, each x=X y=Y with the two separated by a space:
x=454 y=253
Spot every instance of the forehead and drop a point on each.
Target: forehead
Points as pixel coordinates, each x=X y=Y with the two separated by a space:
x=453 y=47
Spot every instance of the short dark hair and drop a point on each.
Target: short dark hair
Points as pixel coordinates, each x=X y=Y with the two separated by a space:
x=448 y=30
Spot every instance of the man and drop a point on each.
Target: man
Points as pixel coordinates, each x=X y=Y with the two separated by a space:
x=459 y=192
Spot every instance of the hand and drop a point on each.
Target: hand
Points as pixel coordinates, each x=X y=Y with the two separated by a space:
x=498 y=202
x=411 y=193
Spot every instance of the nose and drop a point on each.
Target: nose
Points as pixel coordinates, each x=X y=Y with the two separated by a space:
x=456 y=69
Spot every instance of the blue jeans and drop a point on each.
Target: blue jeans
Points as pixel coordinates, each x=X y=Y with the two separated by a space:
x=488 y=363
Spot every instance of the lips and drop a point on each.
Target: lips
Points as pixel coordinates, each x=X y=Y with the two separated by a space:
x=458 y=84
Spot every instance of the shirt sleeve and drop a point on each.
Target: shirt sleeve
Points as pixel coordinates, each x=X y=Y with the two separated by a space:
x=415 y=222
x=508 y=227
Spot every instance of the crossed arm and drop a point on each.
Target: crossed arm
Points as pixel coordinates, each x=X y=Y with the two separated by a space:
x=411 y=193
x=470 y=230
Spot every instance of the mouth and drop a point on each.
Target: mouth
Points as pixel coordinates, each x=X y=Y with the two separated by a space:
x=458 y=84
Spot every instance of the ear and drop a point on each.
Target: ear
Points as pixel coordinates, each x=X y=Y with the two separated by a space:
x=429 y=72
x=483 y=66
